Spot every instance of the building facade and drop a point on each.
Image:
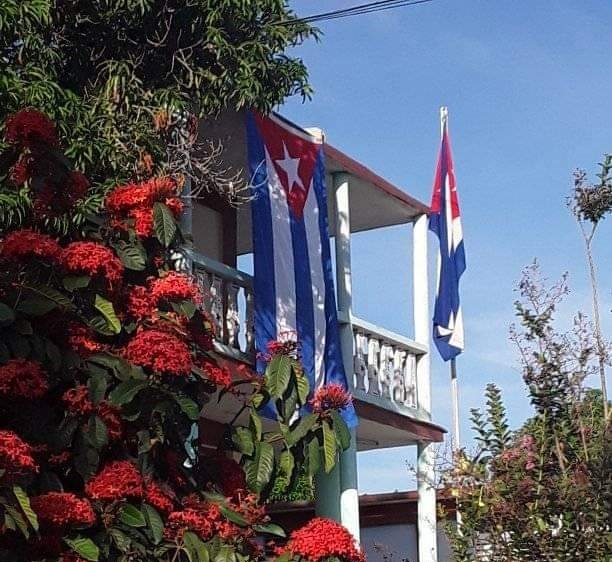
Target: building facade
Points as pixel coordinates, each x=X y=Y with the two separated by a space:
x=389 y=373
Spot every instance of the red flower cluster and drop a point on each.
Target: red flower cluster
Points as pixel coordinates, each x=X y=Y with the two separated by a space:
x=117 y=480
x=159 y=351
x=323 y=538
x=63 y=509
x=330 y=397
x=15 y=456
x=28 y=128
x=111 y=416
x=202 y=518
x=82 y=340
x=95 y=260
x=25 y=244
x=220 y=376
x=142 y=302
x=174 y=286
x=155 y=496
x=21 y=378
x=134 y=202
x=77 y=401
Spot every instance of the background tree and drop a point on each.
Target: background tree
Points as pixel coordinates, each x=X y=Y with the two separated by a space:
x=120 y=77
x=542 y=492
x=590 y=203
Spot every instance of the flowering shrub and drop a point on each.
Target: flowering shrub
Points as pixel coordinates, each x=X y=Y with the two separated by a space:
x=106 y=365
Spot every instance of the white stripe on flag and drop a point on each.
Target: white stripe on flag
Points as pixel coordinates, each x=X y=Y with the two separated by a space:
x=313 y=235
x=284 y=274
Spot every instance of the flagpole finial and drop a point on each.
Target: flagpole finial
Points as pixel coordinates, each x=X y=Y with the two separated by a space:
x=443 y=119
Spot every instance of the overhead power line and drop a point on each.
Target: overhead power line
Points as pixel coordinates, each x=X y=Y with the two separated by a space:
x=368 y=8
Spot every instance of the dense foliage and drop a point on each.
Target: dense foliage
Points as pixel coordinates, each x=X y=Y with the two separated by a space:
x=543 y=492
x=124 y=79
x=107 y=374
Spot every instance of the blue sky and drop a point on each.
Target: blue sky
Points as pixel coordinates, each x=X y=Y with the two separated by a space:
x=529 y=90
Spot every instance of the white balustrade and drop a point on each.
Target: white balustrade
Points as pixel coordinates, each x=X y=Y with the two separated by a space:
x=228 y=299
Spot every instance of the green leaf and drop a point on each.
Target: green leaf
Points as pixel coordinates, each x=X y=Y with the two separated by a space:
x=50 y=294
x=278 y=375
x=225 y=554
x=243 y=439
x=314 y=456
x=121 y=540
x=36 y=306
x=187 y=406
x=330 y=448
x=259 y=470
x=96 y=386
x=233 y=516
x=125 y=392
x=154 y=523
x=7 y=315
x=18 y=520
x=302 y=428
x=270 y=529
x=256 y=425
x=24 y=503
x=53 y=354
x=164 y=224
x=196 y=549
x=73 y=282
x=106 y=308
x=303 y=387
x=286 y=463
x=84 y=547
x=342 y=431
x=132 y=516
x=97 y=432
x=133 y=257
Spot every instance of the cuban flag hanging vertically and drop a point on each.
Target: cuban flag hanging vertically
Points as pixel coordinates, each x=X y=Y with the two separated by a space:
x=294 y=288
x=445 y=223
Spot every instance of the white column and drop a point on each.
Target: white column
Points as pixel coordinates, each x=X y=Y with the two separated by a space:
x=426 y=516
x=349 y=491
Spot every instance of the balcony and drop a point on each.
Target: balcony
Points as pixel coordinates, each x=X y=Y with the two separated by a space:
x=384 y=366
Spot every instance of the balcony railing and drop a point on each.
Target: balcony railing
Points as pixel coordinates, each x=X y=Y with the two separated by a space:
x=384 y=363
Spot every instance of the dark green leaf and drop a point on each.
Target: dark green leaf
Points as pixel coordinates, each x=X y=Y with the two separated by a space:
x=342 y=431
x=233 y=516
x=24 y=503
x=96 y=386
x=84 y=547
x=36 y=306
x=105 y=307
x=72 y=282
x=302 y=428
x=278 y=375
x=270 y=529
x=132 y=516
x=164 y=224
x=330 y=448
x=7 y=315
x=154 y=523
x=314 y=456
x=126 y=392
x=132 y=257
x=196 y=549
x=243 y=439
x=97 y=432
x=259 y=470
x=188 y=406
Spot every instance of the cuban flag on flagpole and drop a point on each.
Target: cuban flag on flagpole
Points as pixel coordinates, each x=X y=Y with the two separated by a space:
x=445 y=223
x=294 y=287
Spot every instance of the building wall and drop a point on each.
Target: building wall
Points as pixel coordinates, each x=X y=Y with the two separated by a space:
x=398 y=543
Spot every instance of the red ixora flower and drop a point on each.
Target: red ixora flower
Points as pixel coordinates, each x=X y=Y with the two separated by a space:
x=286 y=344
x=174 y=286
x=220 y=376
x=134 y=202
x=29 y=127
x=22 y=378
x=15 y=456
x=117 y=480
x=93 y=259
x=330 y=397
x=25 y=244
x=81 y=339
x=77 y=401
x=202 y=518
x=160 y=351
x=63 y=509
x=323 y=538
x=156 y=496
x=111 y=416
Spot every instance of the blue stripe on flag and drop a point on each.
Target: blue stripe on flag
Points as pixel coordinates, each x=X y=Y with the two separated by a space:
x=264 y=285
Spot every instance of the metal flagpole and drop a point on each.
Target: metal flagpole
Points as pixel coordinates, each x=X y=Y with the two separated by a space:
x=456 y=443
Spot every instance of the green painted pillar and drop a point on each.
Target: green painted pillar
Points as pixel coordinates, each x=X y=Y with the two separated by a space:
x=327 y=493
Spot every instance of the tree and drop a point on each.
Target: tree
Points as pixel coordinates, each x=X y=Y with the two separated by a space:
x=590 y=204
x=106 y=364
x=123 y=79
x=542 y=492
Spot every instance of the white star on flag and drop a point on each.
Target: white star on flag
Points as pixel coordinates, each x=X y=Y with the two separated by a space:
x=290 y=166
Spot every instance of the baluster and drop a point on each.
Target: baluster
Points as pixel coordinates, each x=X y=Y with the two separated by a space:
x=232 y=317
x=373 y=366
x=384 y=370
x=399 y=389
x=360 y=359
x=216 y=305
x=410 y=380
x=249 y=320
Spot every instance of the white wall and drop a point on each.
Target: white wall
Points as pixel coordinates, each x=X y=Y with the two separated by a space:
x=398 y=543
